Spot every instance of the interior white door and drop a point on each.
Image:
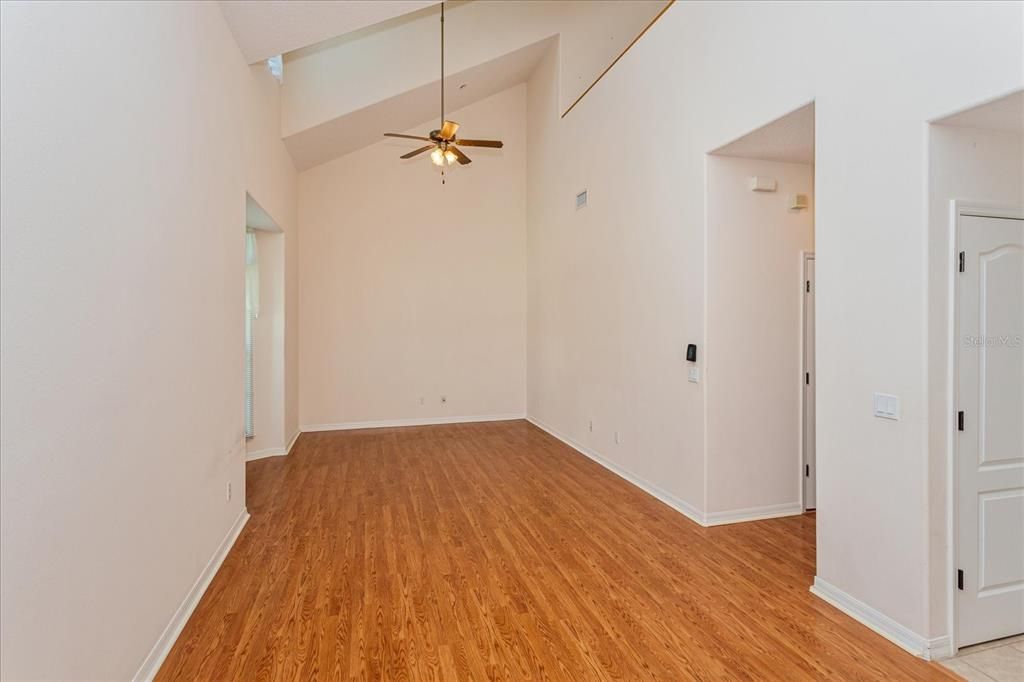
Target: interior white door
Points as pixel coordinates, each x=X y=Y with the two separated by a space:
x=810 y=471
x=990 y=430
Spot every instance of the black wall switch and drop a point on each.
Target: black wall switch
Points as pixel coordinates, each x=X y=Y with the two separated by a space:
x=691 y=352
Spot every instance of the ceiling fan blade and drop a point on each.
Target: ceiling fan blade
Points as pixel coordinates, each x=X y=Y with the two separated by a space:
x=449 y=129
x=408 y=137
x=462 y=158
x=497 y=144
x=418 y=151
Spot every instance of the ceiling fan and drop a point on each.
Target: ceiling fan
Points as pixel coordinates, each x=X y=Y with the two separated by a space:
x=444 y=146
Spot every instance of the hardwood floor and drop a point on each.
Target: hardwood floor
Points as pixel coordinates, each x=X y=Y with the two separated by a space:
x=493 y=551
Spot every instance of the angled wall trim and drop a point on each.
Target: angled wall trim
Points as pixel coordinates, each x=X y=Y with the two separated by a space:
x=150 y=666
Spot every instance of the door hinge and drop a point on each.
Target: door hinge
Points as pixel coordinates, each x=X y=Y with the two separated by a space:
x=962 y=259
x=960 y=420
x=808 y=286
x=807 y=378
x=807 y=470
x=959 y=579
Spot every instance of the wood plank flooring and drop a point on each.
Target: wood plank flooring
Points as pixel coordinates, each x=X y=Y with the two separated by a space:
x=495 y=552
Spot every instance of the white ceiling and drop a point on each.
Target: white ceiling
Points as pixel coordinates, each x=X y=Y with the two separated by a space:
x=398 y=114
x=273 y=27
x=789 y=139
x=1005 y=113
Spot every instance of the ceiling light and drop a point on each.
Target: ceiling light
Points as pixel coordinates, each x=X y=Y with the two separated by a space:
x=443 y=144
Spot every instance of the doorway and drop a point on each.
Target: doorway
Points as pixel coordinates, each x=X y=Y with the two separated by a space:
x=810 y=487
x=264 y=334
x=759 y=230
x=975 y=178
x=989 y=464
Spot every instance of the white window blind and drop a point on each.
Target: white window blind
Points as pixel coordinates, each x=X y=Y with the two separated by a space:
x=252 y=312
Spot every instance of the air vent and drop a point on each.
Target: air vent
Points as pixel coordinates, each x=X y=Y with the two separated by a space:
x=581 y=200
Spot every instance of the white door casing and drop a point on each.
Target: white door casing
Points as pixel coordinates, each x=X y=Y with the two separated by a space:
x=989 y=466
x=810 y=462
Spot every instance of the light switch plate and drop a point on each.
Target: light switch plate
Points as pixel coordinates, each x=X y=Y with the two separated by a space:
x=887 y=406
x=694 y=375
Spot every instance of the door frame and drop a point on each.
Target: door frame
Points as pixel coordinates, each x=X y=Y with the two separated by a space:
x=957 y=209
x=805 y=256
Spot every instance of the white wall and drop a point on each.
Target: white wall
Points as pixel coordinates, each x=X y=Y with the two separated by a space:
x=973 y=165
x=411 y=289
x=131 y=132
x=609 y=312
x=753 y=362
x=617 y=290
x=269 y=333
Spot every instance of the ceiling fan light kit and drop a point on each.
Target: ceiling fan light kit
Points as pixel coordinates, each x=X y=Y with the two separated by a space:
x=443 y=147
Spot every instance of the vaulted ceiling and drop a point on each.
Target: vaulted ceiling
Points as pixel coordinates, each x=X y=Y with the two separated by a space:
x=355 y=69
x=271 y=27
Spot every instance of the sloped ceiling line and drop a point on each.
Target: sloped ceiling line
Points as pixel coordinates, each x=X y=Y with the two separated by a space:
x=268 y=28
x=376 y=68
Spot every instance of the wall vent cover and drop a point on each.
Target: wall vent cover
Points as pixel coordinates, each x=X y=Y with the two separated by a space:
x=581 y=200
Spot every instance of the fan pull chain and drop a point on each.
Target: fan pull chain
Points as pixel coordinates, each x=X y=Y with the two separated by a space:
x=442 y=79
x=442 y=63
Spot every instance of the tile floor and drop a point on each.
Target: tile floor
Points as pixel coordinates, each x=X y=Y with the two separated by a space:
x=1001 y=660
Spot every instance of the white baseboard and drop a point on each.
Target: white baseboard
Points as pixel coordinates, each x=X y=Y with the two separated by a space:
x=272 y=452
x=772 y=511
x=150 y=666
x=420 y=421
x=266 y=452
x=878 y=621
x=681 y=506
x=939 y=648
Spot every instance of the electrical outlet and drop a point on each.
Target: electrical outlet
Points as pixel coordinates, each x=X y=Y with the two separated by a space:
x=229 y=491
x=444 y=399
